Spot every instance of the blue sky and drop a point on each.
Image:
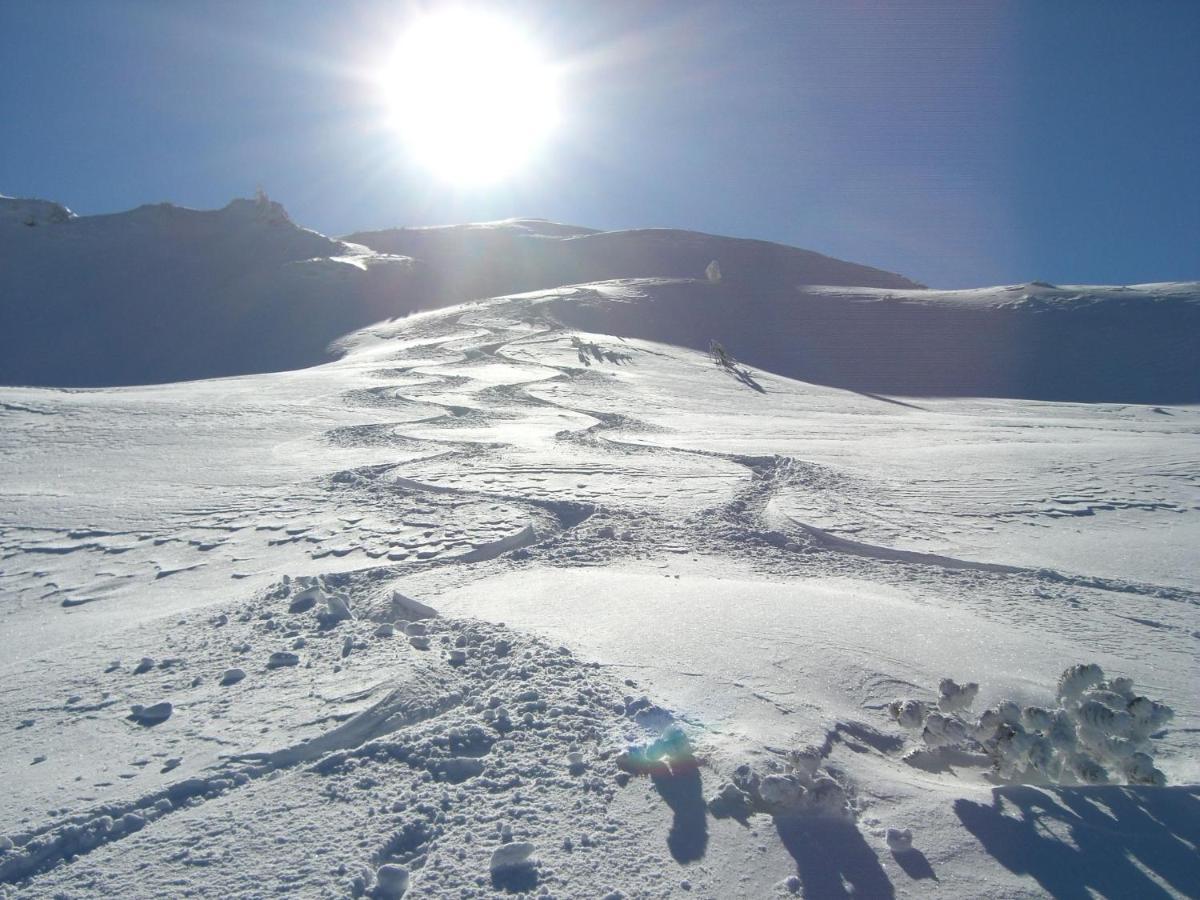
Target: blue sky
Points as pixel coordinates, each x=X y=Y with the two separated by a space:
x=958 y=143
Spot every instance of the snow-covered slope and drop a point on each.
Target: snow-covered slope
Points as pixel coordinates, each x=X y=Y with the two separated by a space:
x=162 y=293
x=1081 y=343
x=478 y=261
x=714 y=580
x=32 y=213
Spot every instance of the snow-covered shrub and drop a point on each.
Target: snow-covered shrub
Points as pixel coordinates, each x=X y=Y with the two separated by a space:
x=1098 y=733
x=720 y=356
x=909 y=713
x=956 y=697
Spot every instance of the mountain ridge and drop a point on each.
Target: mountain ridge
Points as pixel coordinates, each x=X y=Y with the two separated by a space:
x=166 y=293
x=163 y=293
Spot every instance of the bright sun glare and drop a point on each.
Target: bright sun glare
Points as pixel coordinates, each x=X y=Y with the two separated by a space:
x=471 y=95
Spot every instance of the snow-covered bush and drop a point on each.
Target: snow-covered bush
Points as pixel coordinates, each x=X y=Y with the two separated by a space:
x=1099 y=732
x=720 y=356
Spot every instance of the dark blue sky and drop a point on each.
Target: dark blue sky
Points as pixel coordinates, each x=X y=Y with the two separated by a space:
x=958 y=143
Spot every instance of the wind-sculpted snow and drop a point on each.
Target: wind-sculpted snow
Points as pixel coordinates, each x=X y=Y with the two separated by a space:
x=256 y=640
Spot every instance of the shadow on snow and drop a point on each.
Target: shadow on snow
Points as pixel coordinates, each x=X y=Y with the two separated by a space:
x=1084 y=841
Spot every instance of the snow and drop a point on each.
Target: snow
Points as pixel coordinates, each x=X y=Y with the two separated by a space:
x=526 y=594
x=162 y=293
x=1083 y=344
x=250 y=291
x=391 y=881
x=172 y=293
x=30 y=213
x=899 y=840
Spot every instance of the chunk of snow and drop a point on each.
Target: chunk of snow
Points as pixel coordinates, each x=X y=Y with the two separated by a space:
x=899 y=840
x=407 y=608
x=827 y=797
x=337 y=609
x=955 y=697
x=306 y=600
x=391 y=882
x=151 y=715
x=509 y=857
x=782 y=793
x=730 y=801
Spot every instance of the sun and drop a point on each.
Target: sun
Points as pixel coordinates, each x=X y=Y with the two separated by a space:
x=471 y=95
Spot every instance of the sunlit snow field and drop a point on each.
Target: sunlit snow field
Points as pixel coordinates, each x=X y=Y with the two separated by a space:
x=769 y=560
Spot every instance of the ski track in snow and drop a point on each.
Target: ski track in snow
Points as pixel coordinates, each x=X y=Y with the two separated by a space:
x=465 y=457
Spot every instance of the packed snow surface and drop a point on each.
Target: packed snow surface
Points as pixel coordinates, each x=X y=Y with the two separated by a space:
x=497 y=603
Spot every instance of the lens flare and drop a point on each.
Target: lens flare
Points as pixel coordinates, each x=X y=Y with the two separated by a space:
x=471 y=95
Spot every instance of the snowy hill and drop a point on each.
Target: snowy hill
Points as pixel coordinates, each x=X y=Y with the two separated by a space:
x=256 y=640
x=31 y=213
x=478 y=261
x=162 y=293
x=1134 y=344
